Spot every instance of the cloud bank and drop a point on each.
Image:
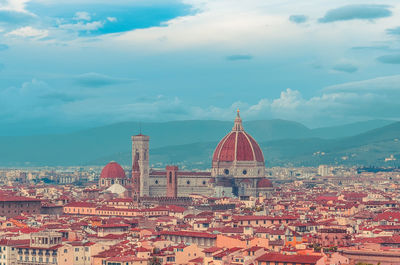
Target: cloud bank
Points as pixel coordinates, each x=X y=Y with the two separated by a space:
x=99 y=80
x=298 y=19
x=389 y=59
x=344 y=102
x=345 y=67
x=350 y=12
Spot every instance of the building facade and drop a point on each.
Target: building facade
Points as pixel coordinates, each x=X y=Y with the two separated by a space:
x=238 y=169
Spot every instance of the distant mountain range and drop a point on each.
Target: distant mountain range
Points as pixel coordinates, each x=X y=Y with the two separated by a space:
x=191 y=144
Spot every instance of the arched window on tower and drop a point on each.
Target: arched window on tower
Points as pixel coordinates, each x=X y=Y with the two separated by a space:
x=170 y=177
x=137 y=153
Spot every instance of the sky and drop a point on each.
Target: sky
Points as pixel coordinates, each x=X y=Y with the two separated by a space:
x=68 y=64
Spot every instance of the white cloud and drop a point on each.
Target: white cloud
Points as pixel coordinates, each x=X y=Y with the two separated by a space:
x=14 y=5
x=112 y=19
x=82 y=16
x=28 y=32
x=81 y=26
x=289 y=100
x=378 y=85
x=36 y=98
x=260 y=26
x=354 y=101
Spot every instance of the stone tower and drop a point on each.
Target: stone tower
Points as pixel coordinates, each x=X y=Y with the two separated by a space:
x=135 y=177
x=140 y=150
x=172 y=181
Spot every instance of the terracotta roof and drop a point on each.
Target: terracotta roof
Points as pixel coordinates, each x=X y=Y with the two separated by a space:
x=212 y=249
x=188 y=233
x=264 y=183
x=80 y=204
x=197 y=260
x=18 y=199
x=275 y=257
x=113 y=170
x=113 y=225
x=238 y=146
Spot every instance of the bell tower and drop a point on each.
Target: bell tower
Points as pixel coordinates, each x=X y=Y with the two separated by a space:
x=140 y=160
x=172 y=181
x=135 y=177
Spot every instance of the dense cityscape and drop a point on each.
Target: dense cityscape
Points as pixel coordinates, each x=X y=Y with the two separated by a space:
x=239 y=212
x=199 y=132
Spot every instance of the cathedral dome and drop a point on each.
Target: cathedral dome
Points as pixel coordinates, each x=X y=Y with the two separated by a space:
x=238 y=145
x=264 y=183
x=112 y=171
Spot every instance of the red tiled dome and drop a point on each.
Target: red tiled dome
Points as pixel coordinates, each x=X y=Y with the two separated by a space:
x=264 y=183
x=112 y=171
x=238 y=146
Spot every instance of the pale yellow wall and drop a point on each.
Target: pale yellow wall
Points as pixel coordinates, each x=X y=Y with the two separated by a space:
x=188 y=253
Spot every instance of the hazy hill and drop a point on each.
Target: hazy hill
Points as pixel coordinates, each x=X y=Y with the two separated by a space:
x=349 y=129
x=369 y=148
x=172 y=142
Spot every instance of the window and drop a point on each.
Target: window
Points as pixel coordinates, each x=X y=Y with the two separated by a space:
x=204 y=182
x=188 y=182
x=226 y=171
x=76 y=249
x=244 y=172
x=156 y=181
x=65 y=251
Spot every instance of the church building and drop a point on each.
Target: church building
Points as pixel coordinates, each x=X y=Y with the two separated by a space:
x=238 y=169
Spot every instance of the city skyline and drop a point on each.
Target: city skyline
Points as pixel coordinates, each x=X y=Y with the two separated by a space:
x=70 y=65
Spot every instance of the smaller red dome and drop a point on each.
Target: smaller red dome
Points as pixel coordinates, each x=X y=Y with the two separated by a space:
x=113 y=171
x=264 y=183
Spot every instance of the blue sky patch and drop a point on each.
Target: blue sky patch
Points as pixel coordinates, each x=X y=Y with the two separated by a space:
x=108 y=18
